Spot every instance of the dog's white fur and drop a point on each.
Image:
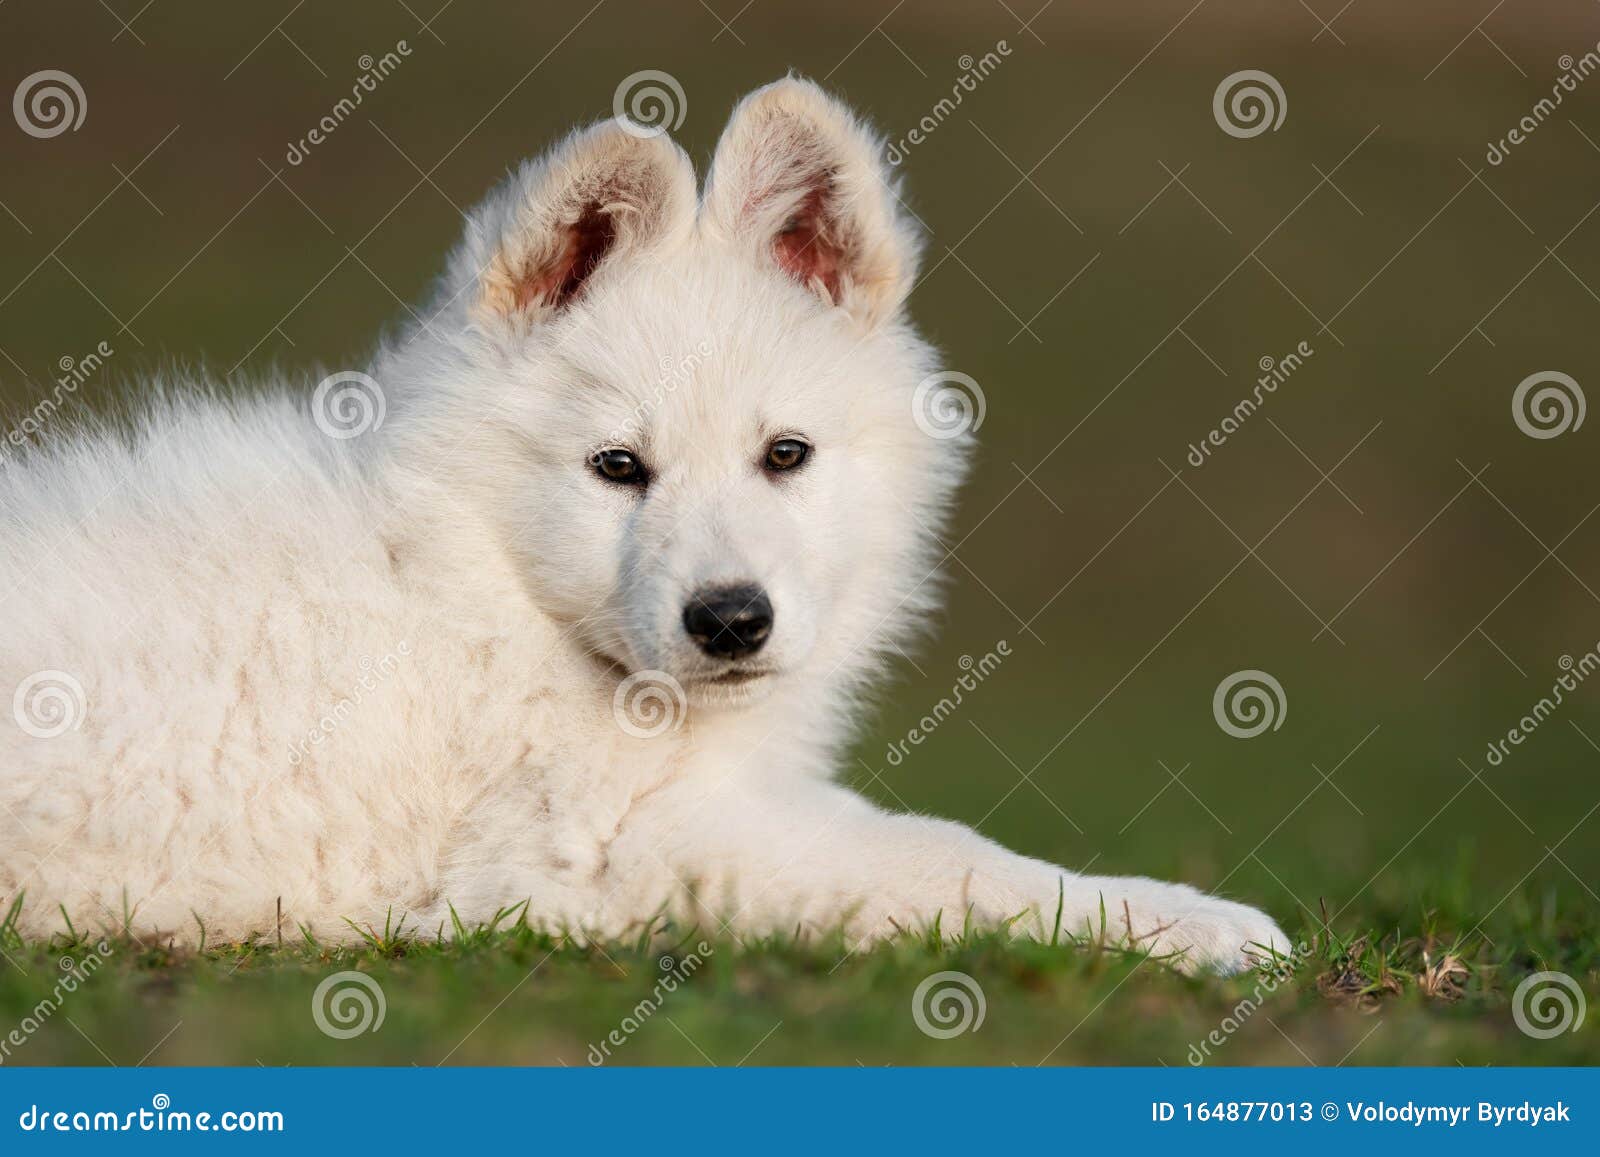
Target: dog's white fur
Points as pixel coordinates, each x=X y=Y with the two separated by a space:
x=375 y=677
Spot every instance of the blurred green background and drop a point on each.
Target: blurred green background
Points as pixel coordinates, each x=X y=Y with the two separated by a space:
x=1110 y=267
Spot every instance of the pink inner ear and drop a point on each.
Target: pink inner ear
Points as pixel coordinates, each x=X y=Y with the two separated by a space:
x=556 y=283
x=807 y=250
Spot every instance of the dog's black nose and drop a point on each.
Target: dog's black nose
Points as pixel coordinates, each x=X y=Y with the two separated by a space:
x=730 y=622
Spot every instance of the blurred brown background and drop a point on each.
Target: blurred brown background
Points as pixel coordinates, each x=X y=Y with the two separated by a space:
x=1110 y=266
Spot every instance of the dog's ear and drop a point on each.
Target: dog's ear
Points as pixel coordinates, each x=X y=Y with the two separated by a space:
x=801 y=180
x=604 y=195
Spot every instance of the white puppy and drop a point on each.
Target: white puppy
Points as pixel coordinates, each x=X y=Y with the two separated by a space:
x=568 y=598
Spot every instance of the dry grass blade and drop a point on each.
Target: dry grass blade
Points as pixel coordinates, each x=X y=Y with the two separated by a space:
x=1445 y=978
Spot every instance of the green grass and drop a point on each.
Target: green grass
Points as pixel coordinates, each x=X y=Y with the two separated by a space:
x=1384 y=988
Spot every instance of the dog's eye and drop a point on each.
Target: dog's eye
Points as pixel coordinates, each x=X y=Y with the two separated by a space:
x=619 y=466
x=786 y=454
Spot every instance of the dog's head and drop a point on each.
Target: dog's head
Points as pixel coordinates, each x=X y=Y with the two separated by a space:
x=696 y=421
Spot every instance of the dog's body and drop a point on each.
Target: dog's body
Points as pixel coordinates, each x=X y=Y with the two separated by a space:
x=576 y=624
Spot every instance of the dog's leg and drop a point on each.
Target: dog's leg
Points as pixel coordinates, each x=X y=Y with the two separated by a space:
x=766 y=856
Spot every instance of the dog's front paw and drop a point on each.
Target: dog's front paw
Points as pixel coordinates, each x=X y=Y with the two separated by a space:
x=1203 y=933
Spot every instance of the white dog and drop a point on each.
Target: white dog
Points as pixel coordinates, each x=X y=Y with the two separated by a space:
x=568 y=599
